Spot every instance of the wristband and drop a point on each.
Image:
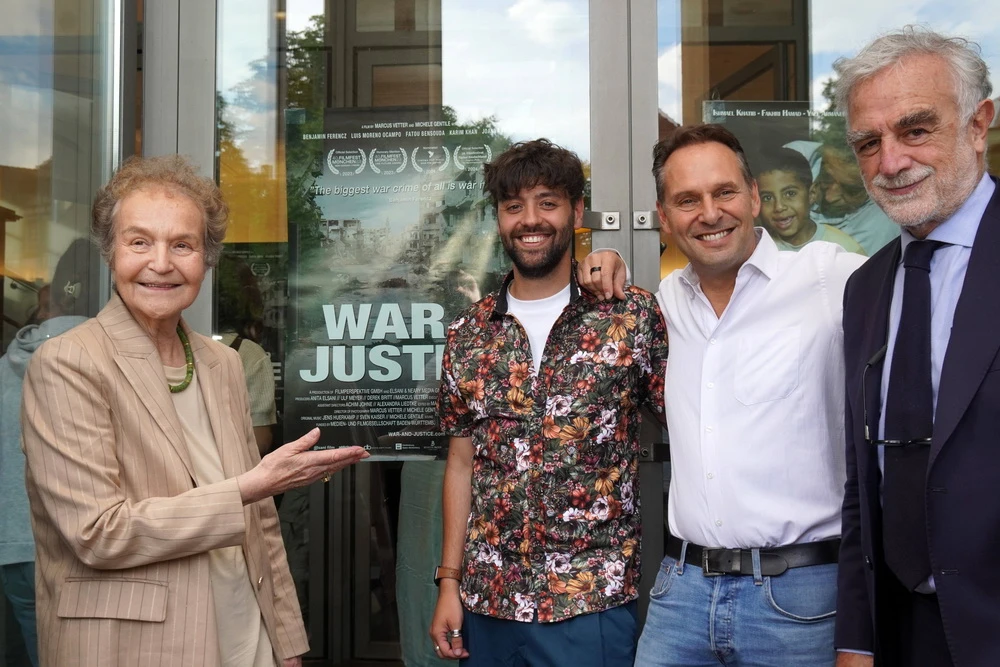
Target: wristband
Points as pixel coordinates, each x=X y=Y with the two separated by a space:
x=442 y=572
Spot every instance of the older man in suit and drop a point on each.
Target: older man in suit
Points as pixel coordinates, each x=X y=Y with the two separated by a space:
x=918 y=581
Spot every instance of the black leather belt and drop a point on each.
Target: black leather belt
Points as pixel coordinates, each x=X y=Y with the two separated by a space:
x=773 y=560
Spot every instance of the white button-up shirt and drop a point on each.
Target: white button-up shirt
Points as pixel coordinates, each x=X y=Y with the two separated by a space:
x=755 y=400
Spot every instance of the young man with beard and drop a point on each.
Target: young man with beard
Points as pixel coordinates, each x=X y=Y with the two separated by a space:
x=540 y=395
x=754 y=406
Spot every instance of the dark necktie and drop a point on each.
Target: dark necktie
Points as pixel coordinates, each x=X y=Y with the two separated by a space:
x=909 y=416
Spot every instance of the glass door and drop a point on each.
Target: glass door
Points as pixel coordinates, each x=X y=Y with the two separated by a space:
x=67 y=68
x=350 y=141
x=349 y=136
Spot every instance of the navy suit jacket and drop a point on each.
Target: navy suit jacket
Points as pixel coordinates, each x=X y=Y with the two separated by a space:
x=962 y=490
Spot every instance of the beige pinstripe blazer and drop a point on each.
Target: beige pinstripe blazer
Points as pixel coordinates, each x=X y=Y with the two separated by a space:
x=122 y=532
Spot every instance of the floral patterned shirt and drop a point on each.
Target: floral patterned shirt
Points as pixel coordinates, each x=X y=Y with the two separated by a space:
x=554 y=522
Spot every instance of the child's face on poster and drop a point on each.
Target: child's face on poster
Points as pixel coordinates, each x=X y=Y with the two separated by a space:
x=784 y=203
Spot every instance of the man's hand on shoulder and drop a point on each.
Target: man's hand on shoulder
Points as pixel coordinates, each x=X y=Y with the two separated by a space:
x=603 y=274
x=845 y=659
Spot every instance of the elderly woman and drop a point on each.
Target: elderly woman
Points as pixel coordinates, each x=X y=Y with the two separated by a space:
x=157 y=539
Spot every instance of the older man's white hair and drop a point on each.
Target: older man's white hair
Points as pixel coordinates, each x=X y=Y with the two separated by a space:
x=969 y=70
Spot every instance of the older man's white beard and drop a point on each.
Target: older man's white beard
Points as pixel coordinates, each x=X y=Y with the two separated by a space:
x=908 y=210
x=903 y=179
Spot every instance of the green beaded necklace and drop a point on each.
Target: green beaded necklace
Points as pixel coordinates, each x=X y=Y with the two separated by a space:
x=189 y=362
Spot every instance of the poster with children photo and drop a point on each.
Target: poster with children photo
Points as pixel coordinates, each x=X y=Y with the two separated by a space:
x=809 y=183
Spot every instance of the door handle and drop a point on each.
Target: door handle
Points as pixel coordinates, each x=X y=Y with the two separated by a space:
x=644 y=220
x=602 y=221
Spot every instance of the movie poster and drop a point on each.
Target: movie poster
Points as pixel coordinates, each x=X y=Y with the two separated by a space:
x=808 y=179
x=389 y=238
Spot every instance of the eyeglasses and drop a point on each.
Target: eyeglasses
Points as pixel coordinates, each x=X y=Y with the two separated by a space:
x=916 y=442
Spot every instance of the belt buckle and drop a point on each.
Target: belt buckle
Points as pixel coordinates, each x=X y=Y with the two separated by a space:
x=705 y=569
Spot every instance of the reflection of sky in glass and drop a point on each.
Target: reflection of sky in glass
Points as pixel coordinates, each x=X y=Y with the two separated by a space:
x=26 y=80
x=668 y=58
x=526 y=61
x=840 y=28
x=298 y=12
x=523 y=61
x=247 y=40
x=245 y=34
x=243 y=30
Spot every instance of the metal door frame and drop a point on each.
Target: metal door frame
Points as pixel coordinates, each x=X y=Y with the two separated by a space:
x=179 y=63
x=623 y=130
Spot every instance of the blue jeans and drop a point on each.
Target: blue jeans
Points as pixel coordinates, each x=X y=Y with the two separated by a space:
x=696 y=621
x=602 y=639
x=19 y=587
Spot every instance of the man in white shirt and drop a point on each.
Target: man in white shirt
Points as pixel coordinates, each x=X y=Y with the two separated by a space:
x=754 y=406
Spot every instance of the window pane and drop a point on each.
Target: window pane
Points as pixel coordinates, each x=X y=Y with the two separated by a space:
x=54 y=153
x=764 y=68
x=351 y=142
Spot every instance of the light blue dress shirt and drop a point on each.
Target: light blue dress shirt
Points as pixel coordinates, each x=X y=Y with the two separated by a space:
x=948 y=267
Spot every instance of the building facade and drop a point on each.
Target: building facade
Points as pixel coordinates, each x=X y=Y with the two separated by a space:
x=348 y=137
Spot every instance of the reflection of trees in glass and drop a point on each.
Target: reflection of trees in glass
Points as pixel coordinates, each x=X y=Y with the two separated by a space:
x=303 y=165
x=250 y=190
x=469 y=251
x=831 y=129
x=307 y=58
x=253 y=191
x=306 y=63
